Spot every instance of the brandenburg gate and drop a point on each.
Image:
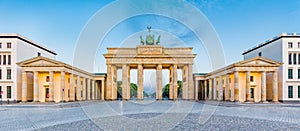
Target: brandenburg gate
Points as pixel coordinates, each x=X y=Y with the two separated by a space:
x=150 y=55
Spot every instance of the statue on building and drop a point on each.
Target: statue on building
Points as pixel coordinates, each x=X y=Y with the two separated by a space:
x=149 y=39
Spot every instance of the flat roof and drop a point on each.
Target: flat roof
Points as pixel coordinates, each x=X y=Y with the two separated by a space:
x=14 y=35
x=283 y=35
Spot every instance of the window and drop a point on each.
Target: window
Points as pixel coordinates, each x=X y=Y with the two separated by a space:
x=0 y=45
x=8 y=74
x=298 y=44
x=295 y=58
x=290 y=91
x=298 y=73
x=38 y=54
x=8 y=45
x=290 y=74
x=1 y=92
x=4 y=59
x=298 y=91
x=290 y=58
x=259 y=54
x=9 y=59
x=47 y=78
x=8 y=91
x=251 y=79
x=0 y=74
x=299 y=59
x=290 y=45
x=0 y=59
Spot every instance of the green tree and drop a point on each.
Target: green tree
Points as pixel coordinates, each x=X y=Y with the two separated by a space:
x=166 y=90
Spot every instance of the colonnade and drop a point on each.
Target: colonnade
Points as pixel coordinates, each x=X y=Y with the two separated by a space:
x=187 y=76
x=57 y=86
x=241 y=86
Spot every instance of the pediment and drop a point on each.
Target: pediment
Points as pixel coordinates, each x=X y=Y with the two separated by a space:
x=40 y=61
x=258 y=61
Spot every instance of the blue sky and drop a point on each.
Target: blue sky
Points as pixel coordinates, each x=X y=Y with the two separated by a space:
x=240 y=24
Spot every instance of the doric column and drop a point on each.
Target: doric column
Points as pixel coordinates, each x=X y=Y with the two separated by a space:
x=62 y=85
x=93 y=89
x=71 y=87
x=175 y=84
x=78 y=88
x=51 y=87
x=248 y=97
x=275 y=86
x=205 y=89
x=236 y=86
x=263 y=87
x=191 y=82
x=221 y=88
x=227 y=87
x=185 y=82
x=159 y=82
x=24 y=86
x=140 y=82
x=171 y=82
x=125 y=84
x=114 y=90
x=196 y=89
x=83 y=88
x=35 y=86
x=88 y=89
x=232 y=90
x=215 y=89
x=108 y=83
x=210 y=89
x=102 y=89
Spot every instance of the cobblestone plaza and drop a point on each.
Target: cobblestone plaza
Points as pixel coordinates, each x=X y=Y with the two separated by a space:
x=89 y=116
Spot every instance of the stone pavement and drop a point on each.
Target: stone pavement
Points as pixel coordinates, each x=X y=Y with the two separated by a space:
x=150 y=115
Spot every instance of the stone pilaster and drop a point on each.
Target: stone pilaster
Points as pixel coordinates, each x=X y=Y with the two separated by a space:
x=93 y=89
x=175 y=84
x=140 y=82
x=51 y=88
x=102 y=89
x=275 y=86
x=248 y=97
x=159 y=82
x=205 y=89
x=108 y=83
x=191 y=82
x=35 y=86
x=196 y=89
x=24 y=86
x=83 y=88
x=62 y=85
x=236 y=86
x=263 y=87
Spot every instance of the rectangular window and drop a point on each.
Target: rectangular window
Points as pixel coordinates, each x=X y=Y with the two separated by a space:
x=299 y=59
x=298 y=73
x=290 y=45
x=8 y=45
x=298 y=44
x=0 y=74
x=290 y=58
x=251 y=79
x=298 y=91
x=0 y=59
x=295 y=58
x=1 y=92
x=259 y=54
x=0 y=45
x=4 y=59
x=47 y=78
x=8 y=74
x=290 y=74
x=8 y=91
x=38 y=54
x=290 y=91
x=9 y=59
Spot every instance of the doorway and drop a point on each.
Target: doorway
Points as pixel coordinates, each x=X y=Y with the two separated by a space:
x=47 y=92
